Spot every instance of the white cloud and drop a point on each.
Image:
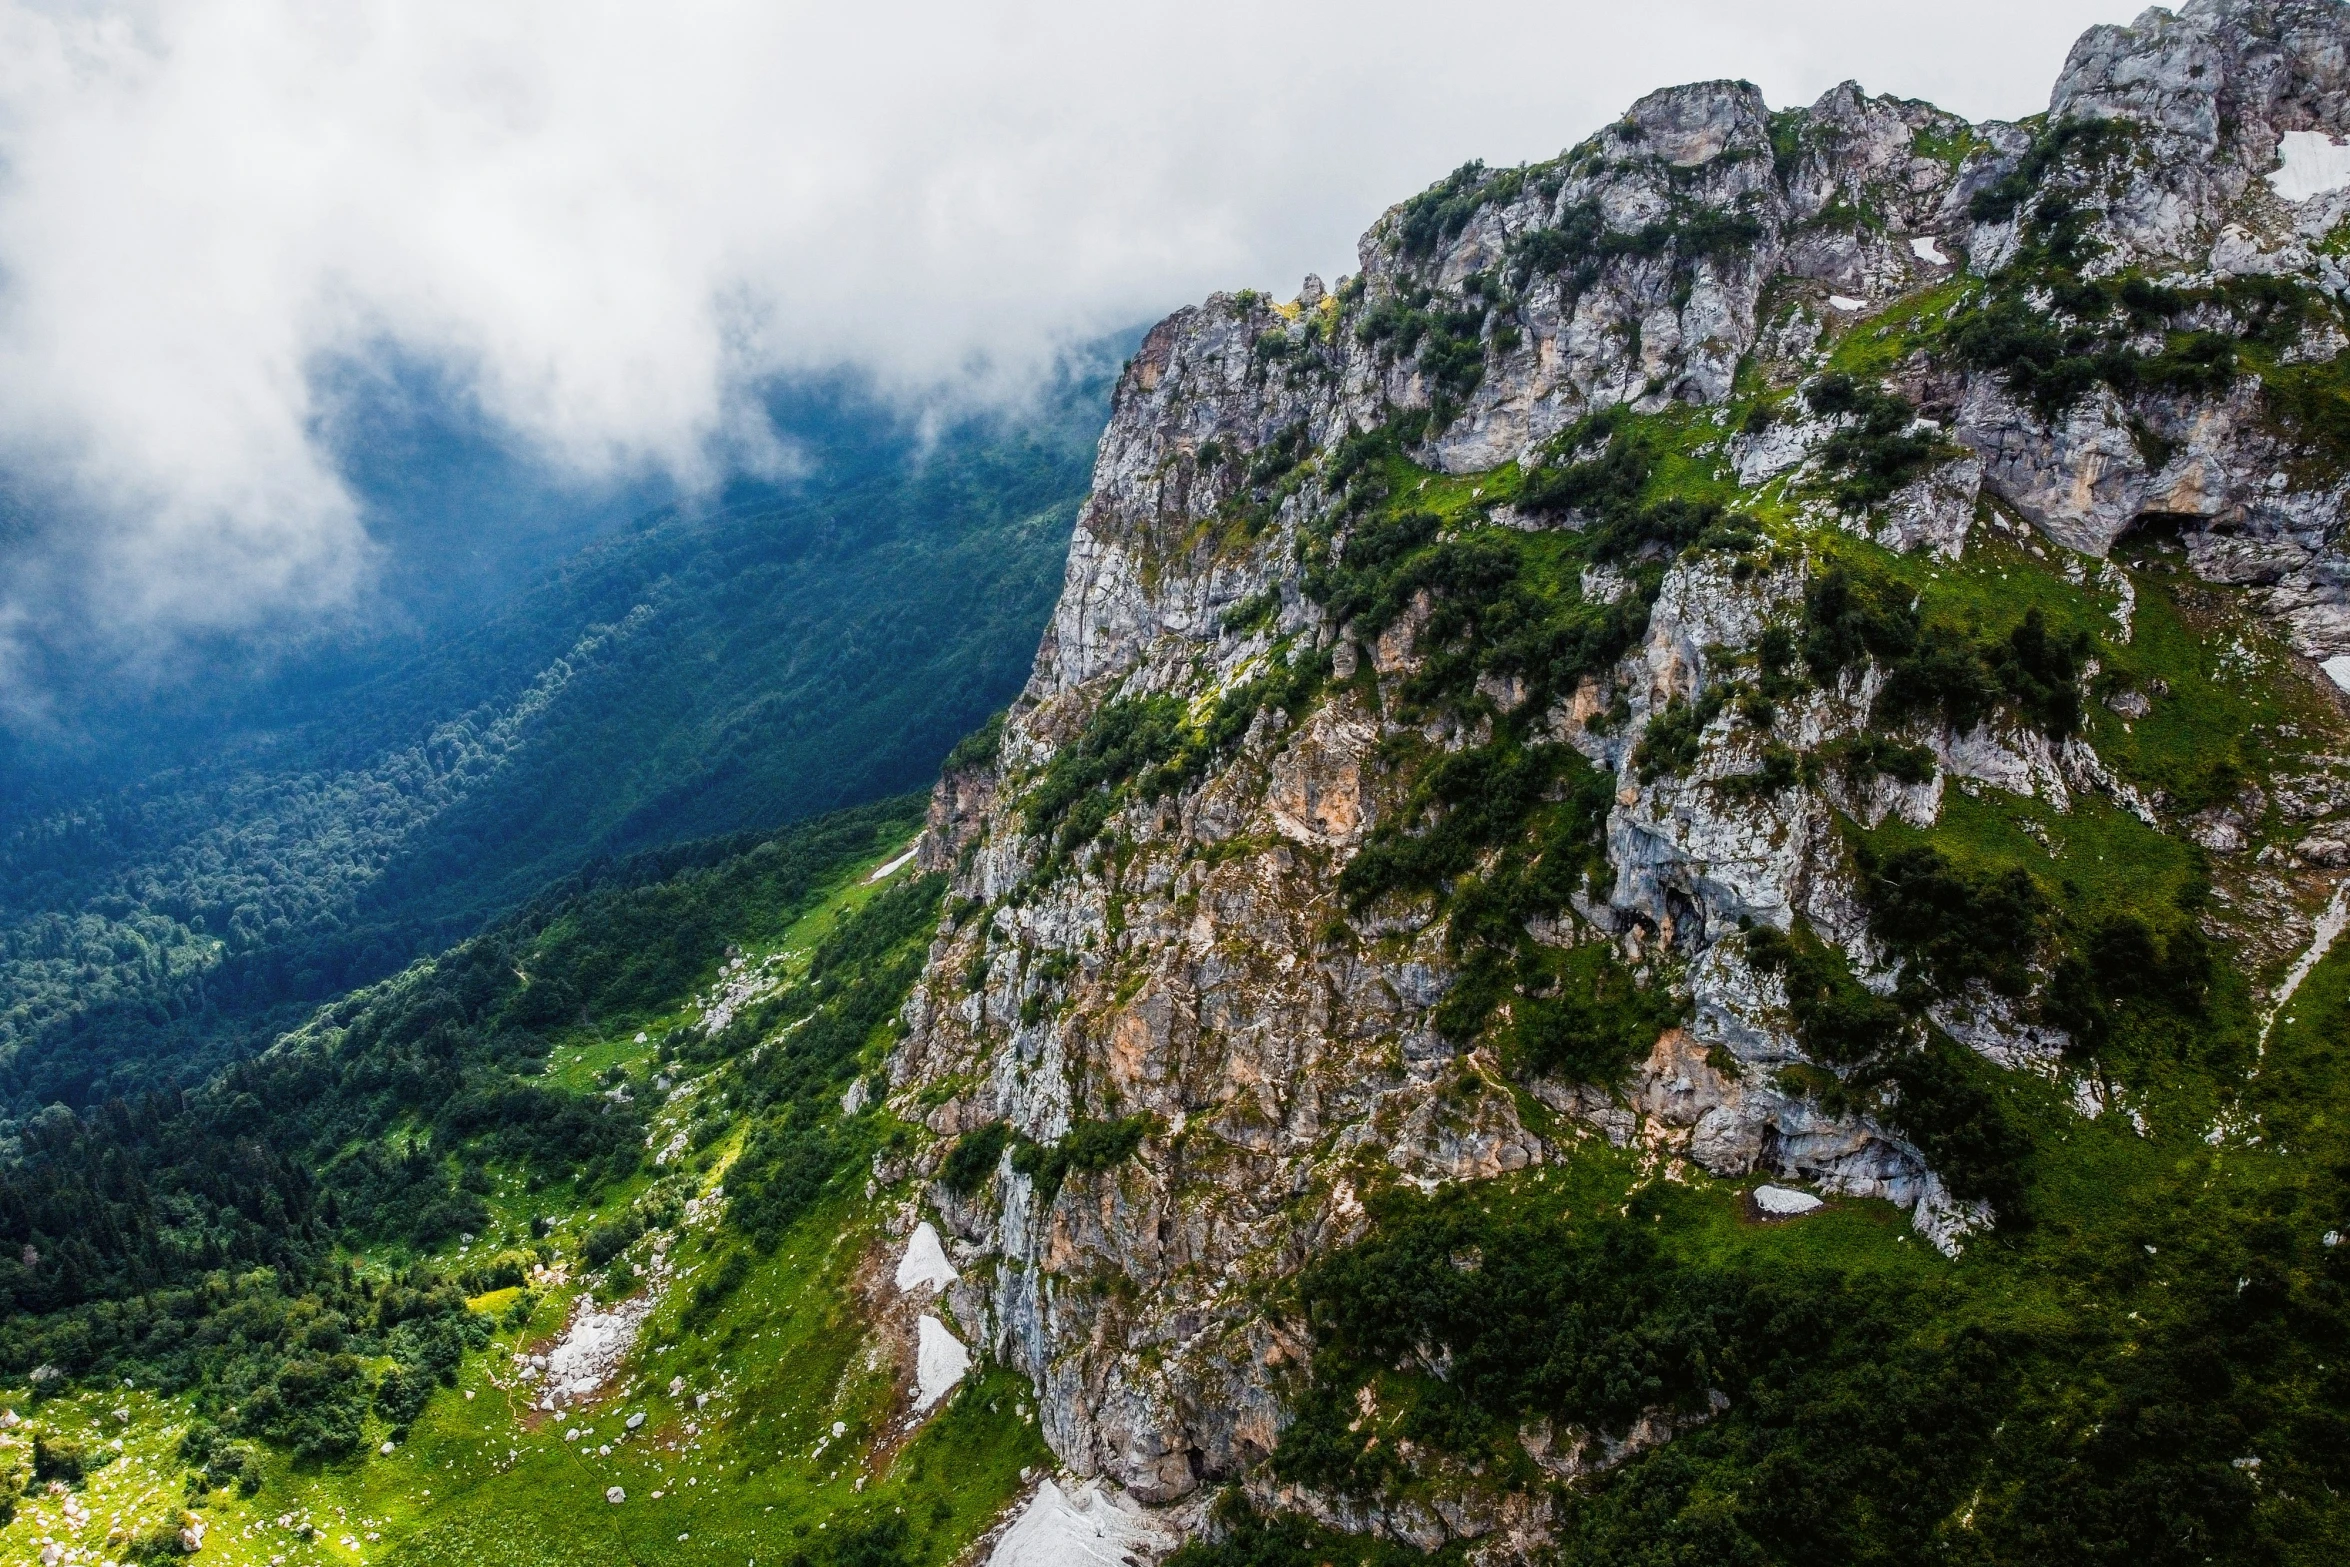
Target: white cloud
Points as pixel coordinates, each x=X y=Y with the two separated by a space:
x=614 y=218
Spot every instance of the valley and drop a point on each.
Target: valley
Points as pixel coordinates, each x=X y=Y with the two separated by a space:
x=1664 y=891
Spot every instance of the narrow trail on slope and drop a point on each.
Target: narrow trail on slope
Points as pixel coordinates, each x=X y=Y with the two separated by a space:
x=2329 y=927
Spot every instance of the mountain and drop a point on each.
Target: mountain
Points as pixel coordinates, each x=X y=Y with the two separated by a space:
x=1666 y=890
x=707 y=671
x=1692 y=832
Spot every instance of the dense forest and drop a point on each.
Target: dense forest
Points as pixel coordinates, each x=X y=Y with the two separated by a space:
x=203 y=1238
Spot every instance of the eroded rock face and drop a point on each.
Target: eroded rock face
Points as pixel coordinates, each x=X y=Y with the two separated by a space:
x=1208 y=975
x=1318 y=793
x=2085 y=480
x=1198 y=982
x=2207 y=97
x=2214 y=86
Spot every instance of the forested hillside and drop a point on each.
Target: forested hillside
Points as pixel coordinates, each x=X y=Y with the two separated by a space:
x=241 y=1314
x=711 y=671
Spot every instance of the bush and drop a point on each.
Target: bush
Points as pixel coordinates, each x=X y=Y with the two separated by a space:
x=1444 y=209
x=1865 y=1407
x=1954 y=926
x=1837 y=1019
x=1873 y=452
x=1520 y=1316
x=1942 y=1098
x=1245 y=1538
x=1861 y=759
x=972 y=1162
x=1934 y=669
x=1669 y=745
x=401 y=1396
x=217 y=1461
x=60 y=1458
x=1495 y=606
x=1597 y=1021
x=2085 y=139
x=2041 y=673
x=878 y=1541
x=2121 y=966
x=1854 y=614
x=1150 y=746
x=1448 y=339
x=316 y=1407
x=507 y=1270
x=609 y=1239
x=976 y=750
x=1088 y=1147
x=1466 y=803
x=2052 y=334
x=1949 y=1106
x=712 y=1291
x=786 y=1163
x=1579 y=247
x=158 y=1545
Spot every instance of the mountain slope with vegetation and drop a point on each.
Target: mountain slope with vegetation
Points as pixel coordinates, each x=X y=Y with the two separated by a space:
x=701 y=674
x=1696 y=830
x=1666 y=891
x=292 y=1314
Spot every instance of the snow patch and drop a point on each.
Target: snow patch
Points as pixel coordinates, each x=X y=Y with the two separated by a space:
x=925 y=1261
x=1923 y=247
x=939 y=1361
x=2337 y=670
x=892 y=867
x=1846 y=302
x=1784 y=1202
x=1094 y=1527
x=2309 y=163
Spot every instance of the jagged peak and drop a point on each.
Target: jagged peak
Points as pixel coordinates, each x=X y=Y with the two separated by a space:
x=2259 y=65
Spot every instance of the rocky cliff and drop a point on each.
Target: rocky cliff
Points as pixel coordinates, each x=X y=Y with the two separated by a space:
x=1591 y=686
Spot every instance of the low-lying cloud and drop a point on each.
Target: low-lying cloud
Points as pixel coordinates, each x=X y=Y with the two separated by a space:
x=612 y=221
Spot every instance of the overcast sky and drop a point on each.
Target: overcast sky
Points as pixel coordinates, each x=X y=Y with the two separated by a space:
x=612 y=219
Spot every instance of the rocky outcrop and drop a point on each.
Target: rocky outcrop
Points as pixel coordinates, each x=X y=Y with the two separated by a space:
x=2210 y=89
x=958 y=812
x=1202 y=971
x=2191 y=192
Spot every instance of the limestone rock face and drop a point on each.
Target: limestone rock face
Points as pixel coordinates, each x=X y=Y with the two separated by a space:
x=2085 y=480
x=959 y=808
x=2207 y=98
x=1207 y=975
x=2213 y=86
